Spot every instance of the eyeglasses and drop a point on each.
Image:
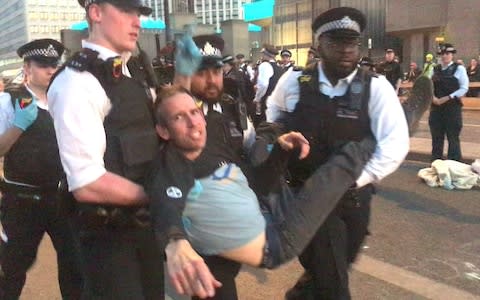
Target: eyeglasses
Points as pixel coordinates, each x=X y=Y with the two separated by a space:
x=343 y=42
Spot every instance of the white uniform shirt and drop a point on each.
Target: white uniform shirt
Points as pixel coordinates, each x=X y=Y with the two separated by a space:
x=387 y=120
x=265 y=71
x=79 y=105
x=7 y=112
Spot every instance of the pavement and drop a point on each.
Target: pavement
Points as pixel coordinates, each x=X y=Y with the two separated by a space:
x=421 y=143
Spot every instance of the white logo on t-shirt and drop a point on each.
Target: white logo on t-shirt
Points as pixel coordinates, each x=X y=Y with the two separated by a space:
x=174 y=192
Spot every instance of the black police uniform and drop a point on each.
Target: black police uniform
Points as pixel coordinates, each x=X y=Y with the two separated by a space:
x=32 y=203
x=272 y=83
x=446 y=119
x=118 y=241
x=326 y=123
x=392 y=71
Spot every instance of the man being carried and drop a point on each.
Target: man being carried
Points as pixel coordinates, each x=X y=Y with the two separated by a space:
x=219 y=213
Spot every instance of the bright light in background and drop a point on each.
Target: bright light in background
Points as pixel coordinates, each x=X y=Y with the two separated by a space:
x=258 y=10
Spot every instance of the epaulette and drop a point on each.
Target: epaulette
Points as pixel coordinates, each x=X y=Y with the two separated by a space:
x=83 y=60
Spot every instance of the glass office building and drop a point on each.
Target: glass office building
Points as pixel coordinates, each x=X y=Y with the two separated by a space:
x=25 y=20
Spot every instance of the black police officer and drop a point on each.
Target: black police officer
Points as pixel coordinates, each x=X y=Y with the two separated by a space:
x=31 y=203
x=329 y=103
x=102 y=109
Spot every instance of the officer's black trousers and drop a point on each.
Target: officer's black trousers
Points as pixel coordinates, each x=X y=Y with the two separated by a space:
x=336 y=244
x=24 y=223
x=446 y=120
x=120 y=263
x=225 y=271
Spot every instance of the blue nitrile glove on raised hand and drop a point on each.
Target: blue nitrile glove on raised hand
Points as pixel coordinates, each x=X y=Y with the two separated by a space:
x=24 y=117
x=187 y=56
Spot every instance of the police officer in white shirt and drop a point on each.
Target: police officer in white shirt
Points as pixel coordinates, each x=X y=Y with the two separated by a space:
x=102 y=111
x=31 y=203
x=329 y=103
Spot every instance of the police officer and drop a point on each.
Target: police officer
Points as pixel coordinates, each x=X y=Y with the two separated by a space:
x=268 y=74
x=331 y=102
x=103 y=119
x=450 y=83
x=30 y=200
x=286 y=62
x=391 y=69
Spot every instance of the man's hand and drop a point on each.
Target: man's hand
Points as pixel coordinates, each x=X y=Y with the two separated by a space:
x=25 y=115
x=291 y=140
x=188 y=272
x=440 y=101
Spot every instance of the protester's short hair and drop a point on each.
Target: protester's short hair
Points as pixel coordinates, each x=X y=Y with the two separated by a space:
x=166 y=92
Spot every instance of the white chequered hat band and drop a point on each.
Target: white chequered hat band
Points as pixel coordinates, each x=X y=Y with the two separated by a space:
x=47 y=52
x=344 y=23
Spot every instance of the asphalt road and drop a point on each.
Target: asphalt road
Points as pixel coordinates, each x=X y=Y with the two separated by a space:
x=424 y=244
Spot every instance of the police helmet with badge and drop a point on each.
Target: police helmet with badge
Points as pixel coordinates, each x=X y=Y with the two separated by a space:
x=211 y=47
x=446 y=48
x=44 y=52
x=340 y=22
x=269 y=51
x=286 y=52
x=127 y=4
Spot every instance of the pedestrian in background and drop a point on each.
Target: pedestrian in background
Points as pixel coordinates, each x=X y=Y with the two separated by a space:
x=268 y=75
x=391 y=68
x=331 y=102
x=473 y=72
x=32 y=203
x=102 y=110
x=450 y=83
x=428 y=66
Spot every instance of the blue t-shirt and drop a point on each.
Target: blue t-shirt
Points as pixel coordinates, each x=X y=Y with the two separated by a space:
x=222 y=212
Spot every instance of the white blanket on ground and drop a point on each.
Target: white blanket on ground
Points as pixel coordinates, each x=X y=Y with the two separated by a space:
x=450 y=174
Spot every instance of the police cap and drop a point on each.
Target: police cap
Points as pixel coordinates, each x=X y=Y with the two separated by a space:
x=286 y=52
x=138 y=4
x=228 y=59
x=211 y=47
x=269 y=50
x=446 y=48
x=44 y=51
x=340 y=22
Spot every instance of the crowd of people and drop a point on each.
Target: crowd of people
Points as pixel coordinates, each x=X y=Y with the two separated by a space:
x=222 y=163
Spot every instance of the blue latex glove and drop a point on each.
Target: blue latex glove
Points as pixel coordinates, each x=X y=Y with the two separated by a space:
x=187 y=56
x=24 y=117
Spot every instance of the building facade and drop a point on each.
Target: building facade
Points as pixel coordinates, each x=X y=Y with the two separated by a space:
x=292 y=20
x=423 y=25
x=208 y=12
x=25 y=20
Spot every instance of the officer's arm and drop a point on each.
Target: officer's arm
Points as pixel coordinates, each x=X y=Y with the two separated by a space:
x=284 y=97
x=8 y=138
x=461 y=75
x=265 y=71
x=390 y=130
x=111 y=189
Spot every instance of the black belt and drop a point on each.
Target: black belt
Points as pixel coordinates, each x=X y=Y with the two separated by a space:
x=91 y=216
x=28 y=192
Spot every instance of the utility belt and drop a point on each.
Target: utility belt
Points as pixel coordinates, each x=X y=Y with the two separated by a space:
x=94 y=217
x=355 y=196
x=36 y=193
